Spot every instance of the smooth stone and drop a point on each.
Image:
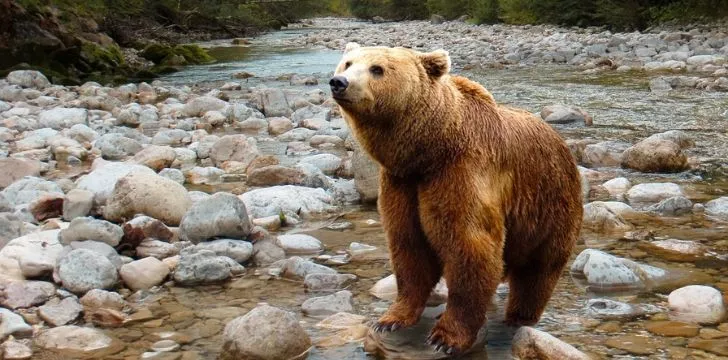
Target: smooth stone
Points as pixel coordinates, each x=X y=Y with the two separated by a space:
x=717 y=208
x=605 y=272
x=289 y=199
x=266 y=252
x=78 y=203
x=265 y=333
x=366 y=175
x=607 y=309
x=13 y=350
x=28 y=189
x=533 y=344
x=77 y=340
x=204 y=176
x=674 y=206
x=88 y=228
x=643 y=195
x=13 y=324
x=60 y=313
x=144 y=273
x=672 y=328
x=676 y=250
x=155 y=157
x=221 y=215
x=603 y=217
x=299 y=244
x=82 y=270
x=98 y=298
x=238 y=148
x=157 y=249
x=103 y=178
x=117 y=146
x=327 y=282
x=386 y=289
x=298 y=268
x=35 y=254
x=697 y=304
x=165 y=346
x=16 y=169
x=24 y=294
x=204 y=266
x=655 y=156
x=238 y=250
x=340 y=301
x=328 y=163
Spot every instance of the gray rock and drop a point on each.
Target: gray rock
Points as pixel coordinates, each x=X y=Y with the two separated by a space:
x=203 y=267
x=82 y=270
x=643 y=195
x=200 y=105
x=221 y=215
x=299 y=244
x=204 y=176
x=60 y=312
x=28 y=79
x=660 y=85
x=238 y=250
x=366 y=175
x=606 y=309
x=171 y=137
x=155 y=157
x=62 y=118
x=102 y=180
x=604 y=154
x=676 y=205
x=279 y=125
x=275 y=103
x=34 y=255
x=603 y=217
x=156 y=248
x=265 y=333
x=328 y=163
x=24 y=294
x=340 y=301
x=88 y=228
x=562 y=114
x=149 y=194
x=117 y=146
x=13 y=324
x=29 y=189
x=311 y=112
x=717 y=208
x=78 y=203
x=234 y=148
x=298 y=268
x=605 y=272
x=327 y=282
x=173 y=174
x=11 y=227
x=267 y=253
x=290 y=200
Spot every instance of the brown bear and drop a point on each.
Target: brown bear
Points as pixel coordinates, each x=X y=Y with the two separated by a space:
x=469 y=189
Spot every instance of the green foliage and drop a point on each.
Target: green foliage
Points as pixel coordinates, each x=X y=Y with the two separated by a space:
x=193 y=54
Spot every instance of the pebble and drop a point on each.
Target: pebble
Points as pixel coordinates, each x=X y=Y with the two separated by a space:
x=143 y=274
x=60 y=312
x=299 y=244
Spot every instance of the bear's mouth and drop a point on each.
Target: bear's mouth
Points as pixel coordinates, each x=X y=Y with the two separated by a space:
x=341 y=99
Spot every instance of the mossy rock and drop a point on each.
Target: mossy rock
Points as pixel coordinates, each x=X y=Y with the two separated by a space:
x=100 y=57
x=164 y=54
x=156 y=52
x=193 y=54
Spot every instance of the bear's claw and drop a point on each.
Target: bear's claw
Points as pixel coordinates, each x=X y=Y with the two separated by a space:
x=439 y=346
x=382 y=328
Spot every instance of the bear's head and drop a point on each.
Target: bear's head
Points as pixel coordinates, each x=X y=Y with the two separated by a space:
x=382 y=83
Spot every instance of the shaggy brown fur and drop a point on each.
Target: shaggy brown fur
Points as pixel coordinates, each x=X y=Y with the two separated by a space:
x=469 y=189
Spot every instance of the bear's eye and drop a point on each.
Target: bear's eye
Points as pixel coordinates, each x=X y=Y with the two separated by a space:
x=376 y=70
x=347 y=65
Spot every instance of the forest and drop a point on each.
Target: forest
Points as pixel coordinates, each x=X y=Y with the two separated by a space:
x=614 y=14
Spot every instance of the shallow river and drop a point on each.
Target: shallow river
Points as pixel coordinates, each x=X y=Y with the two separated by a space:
x=623 y=109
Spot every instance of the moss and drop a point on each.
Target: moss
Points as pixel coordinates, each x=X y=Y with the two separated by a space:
x=193 y=54
x=100 y=57
x=156 y=52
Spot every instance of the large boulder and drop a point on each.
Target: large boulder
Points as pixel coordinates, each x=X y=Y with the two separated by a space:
x=28 y=79
x=149 y=194
x=102 y=180
x=265 y=333
x=290 y=200
x=62 y=118
x=239 y=148
x=220 y=215
x=655 y=155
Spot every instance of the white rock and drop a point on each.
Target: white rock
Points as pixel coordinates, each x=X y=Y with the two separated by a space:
x=28 y=79
x=144 y=273
x=643 y=195
x=605 y=272
x=88 y=228
x=221 y=215
x=101 y=180
x=328 y=163
x=717 y=208
x=340 y=301
x=61 y=312
x=238 y=250
x=697 y=304
x=289 y=199
x=12 y=324
x=35 y=254
x=74 y=338
x=299 y=244
x=531 y=344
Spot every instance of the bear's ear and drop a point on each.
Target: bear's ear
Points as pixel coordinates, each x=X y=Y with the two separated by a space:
x=351 y=46
x=436 y=63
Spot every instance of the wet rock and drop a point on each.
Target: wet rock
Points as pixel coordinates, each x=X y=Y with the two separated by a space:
x=24 y=294
x=279 y=125
x=88 y=228
x=47 y=206
x=144 y=274
x=28 y=79
x=35 y=254
x=562 y=114
x=60 y=312
x=605 y=272
x=78 y=203
x=606 y=217
x=265 y=333
x=155 y=248
x=328 y=163
x=604 y=154
x=717 y=208
x=221 y=215
x=16 y=169
x=102 y=180
x=643 y=195
x=200 y=105
x=204 y=176
x=674 y=206
x=117 y=146
x=655 y=155
x=174 y=175
x=607 y=309
x=155 y=157
x=28 y=189
x=13 y=324
x=266 y=253
x=716 y=346
x=204 y=266
x=533 y=344
x=672 y=328
x=679 y=137
x=298 y=268
x=75 y=339
x=676 y=250
x=341 y=301
x=697 y=304
x=291 y=200
x=62 y=118
x=299 y=244
x=149 y=194
x=82 y=270
x=660 y=85
x=634 y=344
x=238 y=250
x=98 y=299
x=386 y=289
x=214 y=118
x=140 y=228
x=327 y=282
x=13 y=350
x=234 y=148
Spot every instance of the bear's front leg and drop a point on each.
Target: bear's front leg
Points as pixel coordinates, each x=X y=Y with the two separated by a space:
x=415 y=264
x=463 y=221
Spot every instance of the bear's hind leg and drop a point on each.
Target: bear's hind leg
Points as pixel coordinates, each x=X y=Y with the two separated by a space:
x=530 y=288
x=415 y=264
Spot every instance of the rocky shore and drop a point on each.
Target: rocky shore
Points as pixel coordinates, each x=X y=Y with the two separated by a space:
x=151 y=221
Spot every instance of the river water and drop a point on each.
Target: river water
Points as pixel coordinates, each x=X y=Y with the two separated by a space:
x=623 y=109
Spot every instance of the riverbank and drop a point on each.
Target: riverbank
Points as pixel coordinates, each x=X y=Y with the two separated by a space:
x=255 y=192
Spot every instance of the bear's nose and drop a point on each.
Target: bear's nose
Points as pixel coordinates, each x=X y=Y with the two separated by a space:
x=338 y=84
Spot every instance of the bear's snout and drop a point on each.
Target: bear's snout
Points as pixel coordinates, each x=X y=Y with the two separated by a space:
x=338 y=85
